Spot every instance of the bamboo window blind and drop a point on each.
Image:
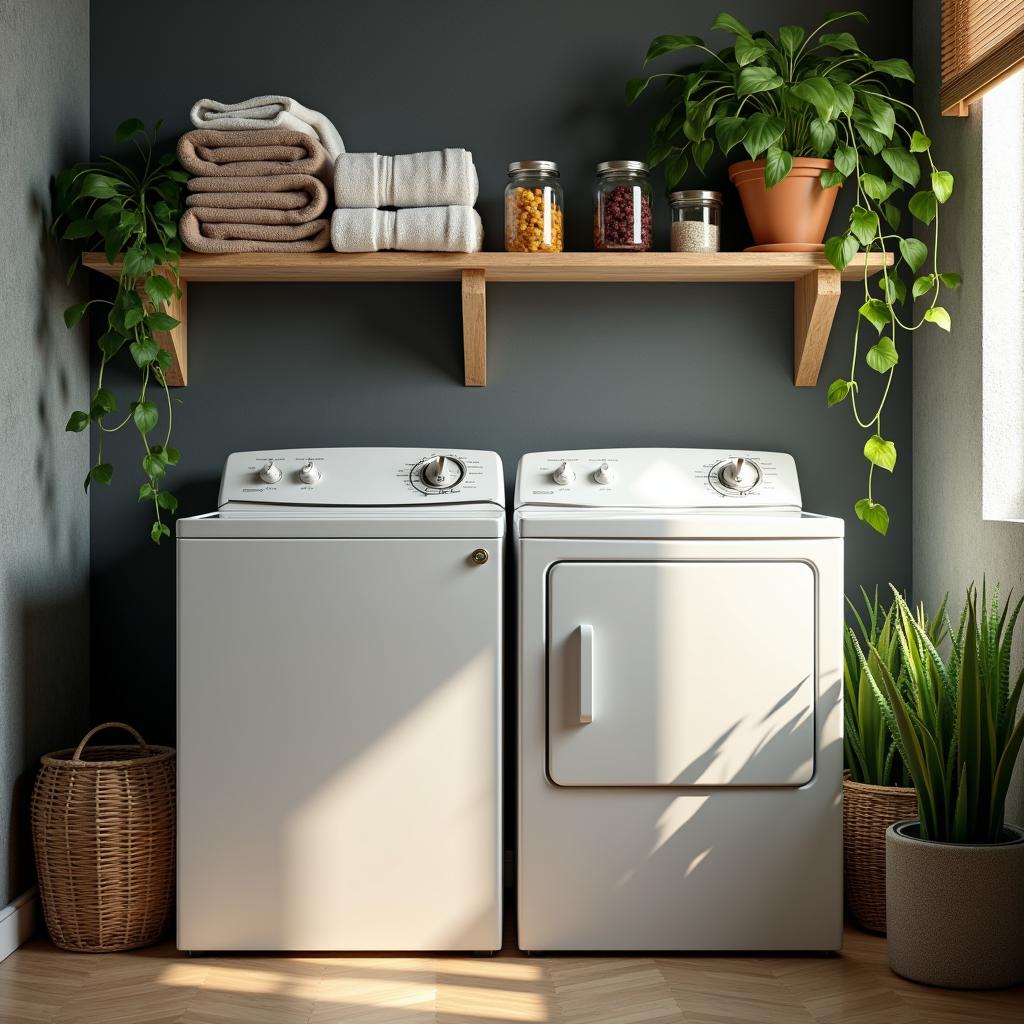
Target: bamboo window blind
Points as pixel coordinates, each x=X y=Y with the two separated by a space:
x=982 y=43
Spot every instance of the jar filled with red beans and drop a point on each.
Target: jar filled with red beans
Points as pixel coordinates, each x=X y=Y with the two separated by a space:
x=622 y=206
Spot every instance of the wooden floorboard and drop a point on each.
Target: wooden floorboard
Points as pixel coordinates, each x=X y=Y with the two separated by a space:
x=39 y=984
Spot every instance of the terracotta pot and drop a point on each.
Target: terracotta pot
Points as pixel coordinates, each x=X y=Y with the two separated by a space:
x=792 y=215
x=868 y=811
x=955 y=910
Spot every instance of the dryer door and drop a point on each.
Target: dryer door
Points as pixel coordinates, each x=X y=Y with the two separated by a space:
x=691 y=673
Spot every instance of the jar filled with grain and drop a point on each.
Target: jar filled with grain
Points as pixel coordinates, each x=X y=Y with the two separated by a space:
x=533 y=207
x=622 y=207
x=696 y=220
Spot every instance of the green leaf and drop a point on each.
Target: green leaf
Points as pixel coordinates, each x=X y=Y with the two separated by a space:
x=634 y=87
x=145 y=491
x=727 y=23
x=915 y=252
x=82 y=228
x=902 y=164
x=72 y=269
x=840 y=41
x=892 y=215
x=876 y=312
x=145 y=415
x=153 y=466
x=110 y=343
x=818 y=93
x=101 y=473
x=919 y=142
x=942 y=185
x=923 y=206
x=837 y=391
x=756 y=80
x=844 y=97
x=950 y=280
x=791 y=36
x=158 y=288
x=660 y=45
x=845 y=158
x=171 y=455
x=882 y=355
x=158 y=531
x=823 y=135
x=729 y=132
x=777 y=165
x=883 y=117
x=894 y=67
x=657 y=152
x=874 y=187
x=168 y=501
x=702 y=153
x=77 y=422
x=164 y=359
x=840 y=250
x=748 y=50
x=880 y=452
x=161 y=322
x=98 y=186
x=938 y=315
x=104 y=400
x=874 y=141
x=675 y=168
x=74 y=313
x=895 y=290
x=137 y=263
x=126 y=129
x=132 y=317
x=829 y=179
x=143 y=351
x=875 y=515
x=922 y=285
x=864 y=224
x=763 y=130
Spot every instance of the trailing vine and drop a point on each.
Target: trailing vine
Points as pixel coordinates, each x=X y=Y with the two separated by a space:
x=132 y=212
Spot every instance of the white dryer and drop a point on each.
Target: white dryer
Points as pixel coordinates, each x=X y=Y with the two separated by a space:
x=680 y=704
x=339 y=712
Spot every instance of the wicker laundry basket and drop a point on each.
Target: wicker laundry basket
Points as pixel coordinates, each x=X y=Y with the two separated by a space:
x=867 y=812
x=103 y=827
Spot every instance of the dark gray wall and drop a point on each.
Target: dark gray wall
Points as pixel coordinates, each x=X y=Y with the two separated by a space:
x=569 y=365
x=44 y=516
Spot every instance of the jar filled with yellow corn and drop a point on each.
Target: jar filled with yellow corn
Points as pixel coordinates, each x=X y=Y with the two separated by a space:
x=533 y=207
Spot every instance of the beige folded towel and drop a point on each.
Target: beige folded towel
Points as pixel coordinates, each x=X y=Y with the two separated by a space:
x=274 y=199
x=201 y=236
x=206 y=152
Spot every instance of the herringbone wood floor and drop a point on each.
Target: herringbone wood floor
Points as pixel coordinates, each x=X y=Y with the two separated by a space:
x=40 y=984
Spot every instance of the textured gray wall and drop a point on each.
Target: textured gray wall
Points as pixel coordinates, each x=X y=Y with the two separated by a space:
x=44 y=516
x=569 y=365
x=952 y=543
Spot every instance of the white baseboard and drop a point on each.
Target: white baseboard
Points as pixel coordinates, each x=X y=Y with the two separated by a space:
x=17 y=922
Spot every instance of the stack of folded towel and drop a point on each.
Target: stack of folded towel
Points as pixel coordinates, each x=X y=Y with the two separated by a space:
x=259 y=171
x=432 y=195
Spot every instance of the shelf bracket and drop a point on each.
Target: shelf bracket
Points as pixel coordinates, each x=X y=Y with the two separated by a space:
x=175 y=340
x=474 y=327
x=815 y=298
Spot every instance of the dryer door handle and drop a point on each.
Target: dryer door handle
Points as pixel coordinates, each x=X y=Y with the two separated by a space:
x=586 y=635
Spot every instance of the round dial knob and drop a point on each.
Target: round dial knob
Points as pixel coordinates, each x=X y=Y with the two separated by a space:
x=604 y=474
x=443 y=472
x=270 y=473
x=563 y=475
x=739 y=474
x=309 y=474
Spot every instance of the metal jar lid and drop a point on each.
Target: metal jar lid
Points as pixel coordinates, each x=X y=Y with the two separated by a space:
x=610 y=166
x=548 y=166
x=695 y=196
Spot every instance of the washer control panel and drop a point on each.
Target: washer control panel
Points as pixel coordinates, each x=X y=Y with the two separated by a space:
x=371 y=477
x=697 y=478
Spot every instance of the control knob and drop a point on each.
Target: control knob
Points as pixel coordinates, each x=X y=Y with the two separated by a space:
x=270 y=473
x=443 y=472
x=739 y=474
x=604 y=474
x=309 y=474
x=564 y=475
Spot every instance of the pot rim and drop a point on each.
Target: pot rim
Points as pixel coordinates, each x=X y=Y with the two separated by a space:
x=798 y=161
x=898 y=830
x=870 y=787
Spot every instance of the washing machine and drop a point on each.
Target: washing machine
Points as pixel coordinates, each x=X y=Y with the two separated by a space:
x=680 y=704
x=339 y=712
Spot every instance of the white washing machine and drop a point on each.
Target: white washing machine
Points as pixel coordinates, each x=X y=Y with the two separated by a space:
x=339 y=712
x=680 y=704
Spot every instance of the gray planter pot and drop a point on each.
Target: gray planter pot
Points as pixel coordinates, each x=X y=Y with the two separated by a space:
x=955 y=911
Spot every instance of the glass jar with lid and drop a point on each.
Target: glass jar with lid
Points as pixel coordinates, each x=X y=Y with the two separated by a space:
x=622 y=206
x=533 y=207
x=696 y=220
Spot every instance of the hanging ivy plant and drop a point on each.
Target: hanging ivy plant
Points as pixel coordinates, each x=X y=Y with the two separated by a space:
x=131 y=211
x=818 y=94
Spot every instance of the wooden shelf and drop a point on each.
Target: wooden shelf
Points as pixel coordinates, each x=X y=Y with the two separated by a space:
x=816 y=284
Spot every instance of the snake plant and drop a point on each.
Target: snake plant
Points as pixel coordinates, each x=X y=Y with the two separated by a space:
x=955 y=719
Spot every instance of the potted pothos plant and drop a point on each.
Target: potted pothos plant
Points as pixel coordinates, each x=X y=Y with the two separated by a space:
x=131 y=211
x=955 y=874
x=814 y=108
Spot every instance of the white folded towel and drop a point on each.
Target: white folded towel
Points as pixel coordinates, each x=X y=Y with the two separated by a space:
x=441 y=177
x=269 y=112
x=429 y=229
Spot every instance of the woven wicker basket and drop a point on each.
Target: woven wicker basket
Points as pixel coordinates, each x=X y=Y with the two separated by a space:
x=103 y=828
x=867 y=812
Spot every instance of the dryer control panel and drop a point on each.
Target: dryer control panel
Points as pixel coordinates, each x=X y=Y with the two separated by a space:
x=686 y=478
x=371 y=477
